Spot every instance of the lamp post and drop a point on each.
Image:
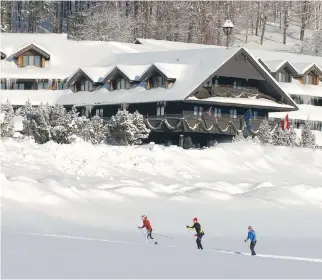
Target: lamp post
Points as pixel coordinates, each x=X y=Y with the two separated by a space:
x=227 y=28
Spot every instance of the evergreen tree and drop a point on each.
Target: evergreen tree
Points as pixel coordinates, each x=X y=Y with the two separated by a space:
x=307 y=136
x=6 y=120
x=264 y=133
x=96 y=130
x=128 y=129
x=278 y=137
x=290 y=137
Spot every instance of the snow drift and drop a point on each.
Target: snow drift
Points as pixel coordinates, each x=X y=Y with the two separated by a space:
x=73 y=197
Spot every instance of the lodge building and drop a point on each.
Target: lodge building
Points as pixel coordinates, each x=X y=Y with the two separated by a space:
x=190 y=90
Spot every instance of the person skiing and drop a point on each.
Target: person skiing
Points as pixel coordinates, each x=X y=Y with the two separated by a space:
x=148 y=227
x=199 y=231
x=252 y=237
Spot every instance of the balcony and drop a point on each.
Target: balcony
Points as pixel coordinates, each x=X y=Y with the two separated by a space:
x=224 y=124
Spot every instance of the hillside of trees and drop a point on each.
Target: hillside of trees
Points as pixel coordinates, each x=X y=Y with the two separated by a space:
x=195 y=21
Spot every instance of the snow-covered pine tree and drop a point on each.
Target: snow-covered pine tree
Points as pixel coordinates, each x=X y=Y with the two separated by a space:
x=307 y=136
x=6 y=120
x=264 y=133
x=128 y=129
x=143 y=131
x=26 y=109
x=96 y=130
x=38 y=124
x=278 y=137
x=62 y=127
x=290 y=137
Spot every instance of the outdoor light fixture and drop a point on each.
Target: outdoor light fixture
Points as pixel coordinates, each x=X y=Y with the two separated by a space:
x=228 y=28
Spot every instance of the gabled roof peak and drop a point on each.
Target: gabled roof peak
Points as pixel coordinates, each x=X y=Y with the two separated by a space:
x=34 y=47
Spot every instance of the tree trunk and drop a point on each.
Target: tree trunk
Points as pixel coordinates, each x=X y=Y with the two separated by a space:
x=303 y=20
x=263 y=29
x=285 y=23
x=258 y=18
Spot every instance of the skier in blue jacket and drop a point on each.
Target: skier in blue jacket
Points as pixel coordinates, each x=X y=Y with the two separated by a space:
x=252 y=237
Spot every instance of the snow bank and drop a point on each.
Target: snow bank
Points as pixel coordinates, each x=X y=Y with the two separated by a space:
x=311 y=112
x=102 y=173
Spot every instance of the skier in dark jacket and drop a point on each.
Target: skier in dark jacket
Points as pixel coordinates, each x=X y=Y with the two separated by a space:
x=252 y=237
x=199 y=231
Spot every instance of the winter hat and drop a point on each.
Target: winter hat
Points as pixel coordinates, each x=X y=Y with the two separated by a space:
x=249 y=227
x=195 y=219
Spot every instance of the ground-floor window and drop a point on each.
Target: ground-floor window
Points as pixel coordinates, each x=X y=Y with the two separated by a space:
x=19 y=86
x=99 y=112
x=255 y=114
x=160 y=108
x=218 y=113
x=233 y=113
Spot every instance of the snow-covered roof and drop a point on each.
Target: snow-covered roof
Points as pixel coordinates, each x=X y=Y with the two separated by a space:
x=133 y=72
x=65 y=55
x=171 y=45
x=303 y=67
x=97 y=74
x=31 y=46
x=275 y=65
x=250 y=102
x=296 y=88
x=190 y=68
x=314 y=113
x=19 y=97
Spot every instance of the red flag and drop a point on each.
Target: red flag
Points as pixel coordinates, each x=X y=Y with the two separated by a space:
x=286 y=123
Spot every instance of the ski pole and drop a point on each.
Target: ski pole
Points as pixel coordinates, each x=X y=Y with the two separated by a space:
x=164 y=236
x=146 y=238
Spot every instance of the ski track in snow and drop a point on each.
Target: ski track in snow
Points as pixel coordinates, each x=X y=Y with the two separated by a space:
x=316 y=260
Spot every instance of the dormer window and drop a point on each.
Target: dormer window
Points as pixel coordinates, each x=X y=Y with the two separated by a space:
x=283 y=77
x=310 y=79
x=156 y=81
x=119 y=83
x=31 y=55
x=30 y=60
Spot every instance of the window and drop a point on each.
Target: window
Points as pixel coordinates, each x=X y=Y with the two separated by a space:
x=255 y=114
x=122 y=83
x=200 y=111
x=43 y=84
x=241 y=57
x=216 y=83
x=160 y=109
x=86 y=85
x=90 y=86
x=31 y=60
x=25 y=60
x=118 y=84
x=37 y=60
x=195 y=110
x=218 y=113
x=99 y=112
x=82 y=87
x=233 y=113
x=157 y=81
x=82 y=112
x=309 y=79
x=3 y=84
x=235 y=84
x=19 y=86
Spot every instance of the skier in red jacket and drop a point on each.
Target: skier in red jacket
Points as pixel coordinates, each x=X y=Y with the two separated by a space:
x=147 y=225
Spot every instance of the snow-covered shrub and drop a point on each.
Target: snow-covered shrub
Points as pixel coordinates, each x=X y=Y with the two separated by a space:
x=95 y=131
x=38 y=124
x=264 y=133
x=307 y=136
x=242 y=135
x=187 y=142
x=290 y=137
x=6 y=120
x=278 y=137
x=26 y=109
x=128 y=129
x=46 y=123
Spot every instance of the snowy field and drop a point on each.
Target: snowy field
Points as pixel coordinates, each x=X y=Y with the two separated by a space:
x=72 y=211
